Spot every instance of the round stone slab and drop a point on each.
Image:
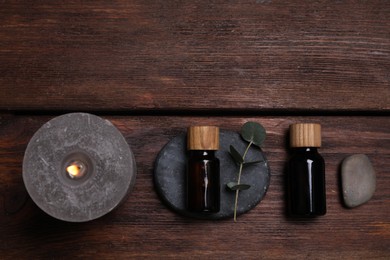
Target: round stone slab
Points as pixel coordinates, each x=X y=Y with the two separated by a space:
x=358 y=180
x=110 y=164
x=170 y=176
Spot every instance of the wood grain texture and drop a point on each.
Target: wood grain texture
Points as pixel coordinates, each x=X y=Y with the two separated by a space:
x=143 y=227
x=211 y=58
x=203 y=138
x=259 y=55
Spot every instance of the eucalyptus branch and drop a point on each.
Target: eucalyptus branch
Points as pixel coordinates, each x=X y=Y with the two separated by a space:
x=254 y=134
x=239 y=180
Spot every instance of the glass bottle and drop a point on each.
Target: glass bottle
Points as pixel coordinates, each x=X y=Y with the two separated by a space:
x=306 y=196
x=203 y=183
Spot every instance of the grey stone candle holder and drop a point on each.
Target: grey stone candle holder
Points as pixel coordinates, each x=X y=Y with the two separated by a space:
x=170 y=176
x=108 y=164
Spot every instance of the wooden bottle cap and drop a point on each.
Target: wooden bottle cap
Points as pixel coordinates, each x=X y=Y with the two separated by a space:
x=305 y=135
x=203 y=138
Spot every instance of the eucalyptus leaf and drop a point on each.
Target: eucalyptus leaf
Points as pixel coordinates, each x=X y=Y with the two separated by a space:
x=234 y=186
x=236 y=155
x=252 y=163
x=253 y=132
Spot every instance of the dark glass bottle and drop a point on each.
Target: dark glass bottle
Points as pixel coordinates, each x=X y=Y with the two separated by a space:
x=203 y=180
x=306 y=175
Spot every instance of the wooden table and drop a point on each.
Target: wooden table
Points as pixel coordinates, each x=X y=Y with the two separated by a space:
x=154 y=68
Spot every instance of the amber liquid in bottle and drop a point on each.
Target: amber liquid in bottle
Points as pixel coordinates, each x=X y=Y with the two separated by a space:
x=203 y=184
x=306 y=183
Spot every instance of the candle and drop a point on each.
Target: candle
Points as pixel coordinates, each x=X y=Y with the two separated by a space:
x=78 y=167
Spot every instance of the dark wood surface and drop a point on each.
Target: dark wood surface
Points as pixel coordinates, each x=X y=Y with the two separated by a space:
x=156 y=67
x=144 y=227
x=148 y=55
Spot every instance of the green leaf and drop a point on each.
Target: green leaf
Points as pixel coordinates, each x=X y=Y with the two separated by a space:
x=236 y=155
x=252 y=163
x=234 y=186
x=253 y=132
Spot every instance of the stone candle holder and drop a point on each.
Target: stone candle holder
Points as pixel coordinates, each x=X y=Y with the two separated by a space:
x=78 y=167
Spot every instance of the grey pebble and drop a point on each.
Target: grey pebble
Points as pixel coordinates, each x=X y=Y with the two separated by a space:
x=358 y=180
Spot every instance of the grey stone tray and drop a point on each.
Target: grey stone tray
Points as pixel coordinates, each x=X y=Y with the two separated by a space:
x=170 y=172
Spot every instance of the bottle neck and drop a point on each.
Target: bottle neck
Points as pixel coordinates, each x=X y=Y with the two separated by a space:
x=202 y=153
x=306 y=149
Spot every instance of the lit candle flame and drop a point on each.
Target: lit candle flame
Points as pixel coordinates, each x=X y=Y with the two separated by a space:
x=73 y=170
x=76 y=169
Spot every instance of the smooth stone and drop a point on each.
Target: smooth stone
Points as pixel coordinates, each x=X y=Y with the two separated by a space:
x=358 y=180
x=170 y=173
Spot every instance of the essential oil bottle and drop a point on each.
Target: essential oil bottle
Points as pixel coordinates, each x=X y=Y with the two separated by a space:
x=306 y=196
x=203 y=180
